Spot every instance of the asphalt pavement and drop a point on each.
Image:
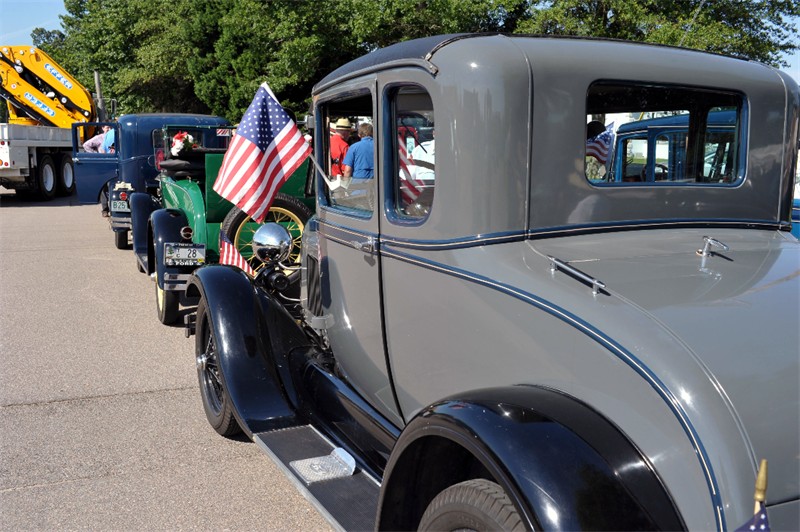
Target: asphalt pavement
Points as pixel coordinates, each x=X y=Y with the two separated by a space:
x=101 y=424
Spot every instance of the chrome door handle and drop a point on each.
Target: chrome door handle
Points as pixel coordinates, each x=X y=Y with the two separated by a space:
x=367 y=246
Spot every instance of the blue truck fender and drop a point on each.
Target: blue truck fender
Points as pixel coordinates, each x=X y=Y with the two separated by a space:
x=564 y=466
x=142 y=206
x=254 y=338
x=165 y=225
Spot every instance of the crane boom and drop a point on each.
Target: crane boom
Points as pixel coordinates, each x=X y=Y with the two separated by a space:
x=39 y=91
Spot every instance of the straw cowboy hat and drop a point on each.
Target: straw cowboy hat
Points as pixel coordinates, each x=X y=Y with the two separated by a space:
x=343 y=123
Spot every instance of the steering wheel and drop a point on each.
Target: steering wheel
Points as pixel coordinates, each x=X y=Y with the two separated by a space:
x=663 y=172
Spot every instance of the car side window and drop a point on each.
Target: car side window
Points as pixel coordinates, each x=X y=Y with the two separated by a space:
x=414 y=142
x=647 y=134
x=90 y=137
x=350 y=153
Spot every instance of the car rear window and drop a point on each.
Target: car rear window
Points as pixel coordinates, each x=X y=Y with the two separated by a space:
x=639 y=134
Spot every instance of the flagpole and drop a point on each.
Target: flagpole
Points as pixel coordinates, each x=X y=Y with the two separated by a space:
x=333 y=185
x=761 y=485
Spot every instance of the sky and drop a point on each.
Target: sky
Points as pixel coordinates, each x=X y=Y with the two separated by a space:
x=19 y=17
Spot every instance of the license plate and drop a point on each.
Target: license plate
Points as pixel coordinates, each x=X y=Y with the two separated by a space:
x=184 y=254
x=120 y=206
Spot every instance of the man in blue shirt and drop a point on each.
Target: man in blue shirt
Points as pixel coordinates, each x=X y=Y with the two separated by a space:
x=109 y=142
x=360 y=159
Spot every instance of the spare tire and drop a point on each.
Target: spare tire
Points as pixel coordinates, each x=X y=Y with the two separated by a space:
x=285 y=210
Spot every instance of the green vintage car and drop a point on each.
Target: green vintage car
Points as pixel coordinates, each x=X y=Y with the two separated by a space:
x=179 y=229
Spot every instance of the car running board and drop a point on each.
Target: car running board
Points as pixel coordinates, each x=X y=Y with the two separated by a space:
x=325 y=474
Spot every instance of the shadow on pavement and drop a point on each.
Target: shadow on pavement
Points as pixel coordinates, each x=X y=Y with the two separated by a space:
x=9 y=198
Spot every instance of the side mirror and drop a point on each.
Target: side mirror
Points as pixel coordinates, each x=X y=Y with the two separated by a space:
x=308 y=121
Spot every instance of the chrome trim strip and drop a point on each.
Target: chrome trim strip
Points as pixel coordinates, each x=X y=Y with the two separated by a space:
x=616 y=349
x=650 y=224
x=553 y=232
x=456 y=243
x=365 y=242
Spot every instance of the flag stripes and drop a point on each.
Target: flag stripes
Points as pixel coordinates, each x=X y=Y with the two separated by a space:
x=410 y=188
x=228 y=254
x=265 y=151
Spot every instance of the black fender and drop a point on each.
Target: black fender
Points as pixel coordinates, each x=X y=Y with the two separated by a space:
x=142 y=206
x=165 y=226
x=563 y=464
x=255 y=336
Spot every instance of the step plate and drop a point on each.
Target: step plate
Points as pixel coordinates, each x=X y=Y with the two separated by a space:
x=349 y=502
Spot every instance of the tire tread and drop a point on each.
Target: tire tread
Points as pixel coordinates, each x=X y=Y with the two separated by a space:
x=487 y=497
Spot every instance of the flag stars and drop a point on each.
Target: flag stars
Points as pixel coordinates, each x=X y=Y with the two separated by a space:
x=267 y=150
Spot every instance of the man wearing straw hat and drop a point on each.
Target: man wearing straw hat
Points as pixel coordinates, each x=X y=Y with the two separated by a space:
x=339 y=145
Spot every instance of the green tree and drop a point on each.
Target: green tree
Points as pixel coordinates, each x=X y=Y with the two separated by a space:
x=211 y=55
x=384 y=22
x=47 y=39
x=754 y=29
x=287 y=43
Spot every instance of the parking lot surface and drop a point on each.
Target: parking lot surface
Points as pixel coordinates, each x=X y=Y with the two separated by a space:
x=101 y=424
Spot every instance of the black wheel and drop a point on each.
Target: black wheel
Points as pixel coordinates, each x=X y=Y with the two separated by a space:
x=46 y=178
x=216 y=402
x=476 y=504
x=121 y=239
x=66 y=176
x=286 y=210
x=167 y=305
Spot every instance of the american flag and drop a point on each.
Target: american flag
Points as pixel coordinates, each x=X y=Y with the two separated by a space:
x=599 y=146
x=267 y=148
x=228 y=254
x=410 y=188
x=758 y=523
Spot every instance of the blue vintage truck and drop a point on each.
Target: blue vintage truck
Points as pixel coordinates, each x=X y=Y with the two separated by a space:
x=110 y=178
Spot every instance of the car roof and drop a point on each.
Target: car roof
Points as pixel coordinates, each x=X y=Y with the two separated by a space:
x=715 y=118
x=415 y=49
x=422 y=49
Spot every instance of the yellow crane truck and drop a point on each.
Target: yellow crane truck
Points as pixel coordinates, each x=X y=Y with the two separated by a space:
x=43 y=102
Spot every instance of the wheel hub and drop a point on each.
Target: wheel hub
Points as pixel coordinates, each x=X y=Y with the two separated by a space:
x=201 y=362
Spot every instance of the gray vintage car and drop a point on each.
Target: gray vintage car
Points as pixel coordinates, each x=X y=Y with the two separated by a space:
x=494 y=332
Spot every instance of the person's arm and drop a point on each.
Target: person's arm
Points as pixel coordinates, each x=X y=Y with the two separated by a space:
x=347 y=164
x=93 y=144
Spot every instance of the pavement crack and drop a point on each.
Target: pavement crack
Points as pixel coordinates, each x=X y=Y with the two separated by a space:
x=57 y=483
x=99 y=396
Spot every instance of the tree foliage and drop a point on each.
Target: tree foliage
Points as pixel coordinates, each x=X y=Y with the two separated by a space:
x=754 y=29
x=210 y=55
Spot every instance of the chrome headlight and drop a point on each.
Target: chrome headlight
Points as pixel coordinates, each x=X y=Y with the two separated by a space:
x=271 y=243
